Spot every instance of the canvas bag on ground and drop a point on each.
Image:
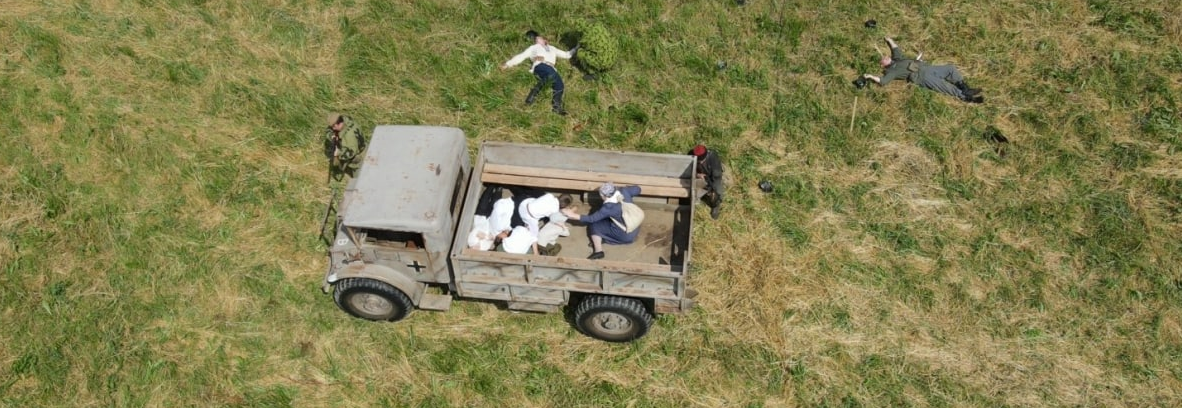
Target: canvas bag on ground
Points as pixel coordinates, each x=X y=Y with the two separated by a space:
x=633 y=217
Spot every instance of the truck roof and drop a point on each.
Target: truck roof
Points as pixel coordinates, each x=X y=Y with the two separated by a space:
x=408 y=178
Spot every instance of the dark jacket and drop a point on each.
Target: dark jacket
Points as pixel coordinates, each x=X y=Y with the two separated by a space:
x=711 y=166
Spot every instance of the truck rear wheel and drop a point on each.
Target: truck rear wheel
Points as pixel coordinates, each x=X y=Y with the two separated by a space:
x=372 y=300
x=611 y=318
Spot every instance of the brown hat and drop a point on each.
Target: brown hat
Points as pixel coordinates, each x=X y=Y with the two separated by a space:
x=333 y=118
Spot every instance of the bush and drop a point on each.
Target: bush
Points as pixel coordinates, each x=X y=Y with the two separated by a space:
x=597 y=47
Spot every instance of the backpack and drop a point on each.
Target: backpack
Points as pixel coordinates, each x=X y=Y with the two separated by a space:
x=633 y=217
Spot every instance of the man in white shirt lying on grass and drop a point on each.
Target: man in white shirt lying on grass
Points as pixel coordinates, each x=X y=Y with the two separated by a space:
x=543 y=56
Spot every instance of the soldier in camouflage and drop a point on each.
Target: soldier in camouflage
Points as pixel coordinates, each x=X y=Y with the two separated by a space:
x=344 y=147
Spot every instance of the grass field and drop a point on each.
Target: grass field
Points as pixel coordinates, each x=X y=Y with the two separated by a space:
x=163 y=182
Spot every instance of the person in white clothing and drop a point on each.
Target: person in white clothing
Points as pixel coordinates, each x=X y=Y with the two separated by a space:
x=520 y=241
x=543 y=57
x=481 y=238
x=532 y=210
x=556 y=227
x=501 y=217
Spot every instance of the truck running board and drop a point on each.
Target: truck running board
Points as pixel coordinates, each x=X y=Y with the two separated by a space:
x=431 y=301
x=533 y=307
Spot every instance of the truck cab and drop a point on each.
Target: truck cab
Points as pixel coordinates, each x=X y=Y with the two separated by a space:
x=396 y=221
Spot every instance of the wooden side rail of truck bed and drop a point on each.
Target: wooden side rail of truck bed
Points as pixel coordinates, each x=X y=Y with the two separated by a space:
x=548 y=178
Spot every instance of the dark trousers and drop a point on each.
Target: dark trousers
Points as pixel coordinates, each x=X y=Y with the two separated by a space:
x=941 y=78
x=547 y=74
x=488 y=197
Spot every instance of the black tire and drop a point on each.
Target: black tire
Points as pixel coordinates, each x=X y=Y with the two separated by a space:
x=613 y=319
x=372 y=300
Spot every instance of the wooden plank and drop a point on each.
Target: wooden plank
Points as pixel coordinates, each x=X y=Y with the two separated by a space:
x=654 y=294
x=566 y=262
x=564 y=285
x=533 y=307
x=491 y=280
x=480 y=294
x=670 y=306
x=580 y=185
x=595 y=176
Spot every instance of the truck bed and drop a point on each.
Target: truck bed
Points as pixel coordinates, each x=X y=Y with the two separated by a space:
x=654 y=245
x=653 y=267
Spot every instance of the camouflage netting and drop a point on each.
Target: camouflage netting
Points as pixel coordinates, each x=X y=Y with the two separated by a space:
x=597 y=47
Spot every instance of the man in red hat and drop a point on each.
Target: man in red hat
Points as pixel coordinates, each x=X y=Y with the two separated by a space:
x=710 y=169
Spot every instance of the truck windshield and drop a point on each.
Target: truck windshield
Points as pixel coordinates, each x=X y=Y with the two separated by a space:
x=398 y=239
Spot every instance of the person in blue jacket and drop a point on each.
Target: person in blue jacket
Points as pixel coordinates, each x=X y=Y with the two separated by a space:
x=604 y=225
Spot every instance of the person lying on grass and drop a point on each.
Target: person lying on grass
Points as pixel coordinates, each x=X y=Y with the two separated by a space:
x=945 y=79
x=543 y=56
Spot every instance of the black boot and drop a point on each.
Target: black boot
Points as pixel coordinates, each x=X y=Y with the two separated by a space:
x=533 y=95
x=968 y=92
x=557 y=103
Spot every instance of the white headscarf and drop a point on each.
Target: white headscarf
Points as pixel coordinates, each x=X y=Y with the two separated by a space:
x=615 y=198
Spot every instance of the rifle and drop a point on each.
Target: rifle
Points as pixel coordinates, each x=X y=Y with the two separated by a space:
x=328 y=211
x=331 y=144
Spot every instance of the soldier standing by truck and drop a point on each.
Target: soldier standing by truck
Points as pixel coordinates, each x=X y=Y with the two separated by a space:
x=344 y=147
x=710 y=170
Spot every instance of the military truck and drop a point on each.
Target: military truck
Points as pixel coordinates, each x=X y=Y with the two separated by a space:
x=402 y=226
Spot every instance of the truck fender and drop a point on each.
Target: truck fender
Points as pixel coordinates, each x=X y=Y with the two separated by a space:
x=412 y=289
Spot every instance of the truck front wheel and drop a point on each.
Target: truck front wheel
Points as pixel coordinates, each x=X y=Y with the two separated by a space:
x=611 y=318
x=372 y=300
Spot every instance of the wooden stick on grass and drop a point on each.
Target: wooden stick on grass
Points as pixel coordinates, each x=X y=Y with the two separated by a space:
x=853 y=113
